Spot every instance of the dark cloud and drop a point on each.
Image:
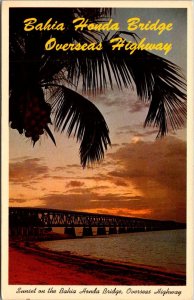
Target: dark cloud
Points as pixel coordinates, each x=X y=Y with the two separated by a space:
x=158 y=170
x=28 y=186
x=71 y=201
x=74 y=166
x=60 y=169
x=57 y=177
x=21 y=158
x=120 y=182
x=89 y=200
x=115 y=145
x=27 y=170
x=159 y=160
x=16 y=200
x=74 y=183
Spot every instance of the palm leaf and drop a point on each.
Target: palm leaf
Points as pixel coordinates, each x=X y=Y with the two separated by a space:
x=50 y=134
x=155 y=79
x=82 y=119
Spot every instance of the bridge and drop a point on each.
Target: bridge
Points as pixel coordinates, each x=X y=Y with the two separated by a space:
x=26 y=221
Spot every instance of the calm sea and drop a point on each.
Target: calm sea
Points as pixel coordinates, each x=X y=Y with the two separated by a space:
x=160 y=249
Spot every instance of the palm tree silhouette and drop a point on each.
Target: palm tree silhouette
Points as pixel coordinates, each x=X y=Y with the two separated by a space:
x=42 y=83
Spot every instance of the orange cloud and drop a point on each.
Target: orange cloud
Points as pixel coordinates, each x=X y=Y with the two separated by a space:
x=75 y=183
x=26 y=170
x=159 y=170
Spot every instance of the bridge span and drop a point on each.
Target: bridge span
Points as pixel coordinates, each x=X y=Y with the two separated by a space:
x=25 y=220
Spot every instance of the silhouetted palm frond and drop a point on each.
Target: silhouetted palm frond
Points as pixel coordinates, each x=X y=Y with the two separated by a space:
x=80 y=118
x=155 y=79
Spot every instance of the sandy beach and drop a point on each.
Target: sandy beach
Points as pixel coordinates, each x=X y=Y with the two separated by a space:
x=31 y=265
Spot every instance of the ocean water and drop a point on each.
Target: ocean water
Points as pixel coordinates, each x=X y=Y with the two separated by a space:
x=159 y=249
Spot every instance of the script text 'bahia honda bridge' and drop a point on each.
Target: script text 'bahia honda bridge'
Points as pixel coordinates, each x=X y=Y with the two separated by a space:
x=33 y=221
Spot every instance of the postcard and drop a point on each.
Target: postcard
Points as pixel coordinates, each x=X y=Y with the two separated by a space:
x=97 y=164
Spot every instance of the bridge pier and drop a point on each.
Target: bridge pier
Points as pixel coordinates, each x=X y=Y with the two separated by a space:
x=112 y=230
x=122 y=230
x=87 y=231
x=101 y=231
x=130 y=229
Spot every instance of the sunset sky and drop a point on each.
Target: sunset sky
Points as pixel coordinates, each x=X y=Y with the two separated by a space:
x=139 y=176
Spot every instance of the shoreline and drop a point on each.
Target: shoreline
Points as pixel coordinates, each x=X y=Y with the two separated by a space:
x=79 y=270
x=118 y=264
